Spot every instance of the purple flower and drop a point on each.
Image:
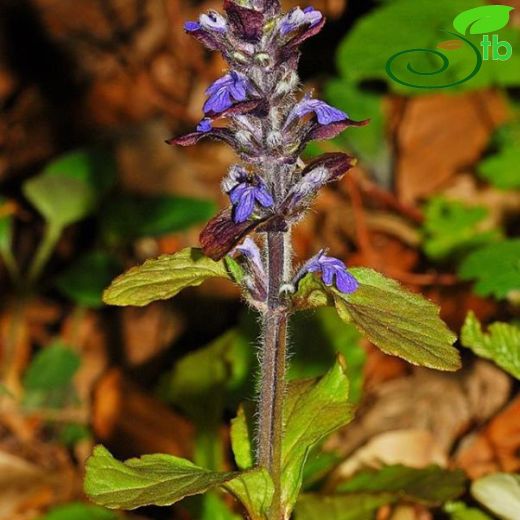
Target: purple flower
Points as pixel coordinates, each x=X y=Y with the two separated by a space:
x=298 y=18
x=325 y=114
x=250 y=250
x=205 y=125
x=227 y=90
x=191 y=26
x=214 y=21
x=256 y=276
x=332 y=270
x=245 y=195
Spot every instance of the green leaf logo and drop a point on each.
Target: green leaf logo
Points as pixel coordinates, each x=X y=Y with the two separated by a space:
x=484 y=19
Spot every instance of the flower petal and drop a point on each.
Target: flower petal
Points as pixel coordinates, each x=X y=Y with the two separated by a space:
x=263 y=197
x=345 y=282
x=244 y=207
x=327 y=274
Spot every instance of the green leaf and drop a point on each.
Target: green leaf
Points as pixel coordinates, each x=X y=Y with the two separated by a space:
x=96 y=167
x=339 y=507
x=255 y=490
x=501 y=169
x=48 y=379
x=241 y=436
x=311 y=294
x=500 y=493
x=397 y=321
x=163 y=480
x=326 y=398
x=84 y=281
x=211 y=507
x=162 y=278
x=430 y=486
x=323 y=327
x=202 y=380
x=484 y=19
x=6 y=227
x=128 y=217
x=69 y=188
x=501 y=344
x=78 y=511
x=53 y=367
x=496 y=269
x=363 y=55
x=202 y=383
x=235 y=270
x=460 y=511
x=319 y=465
x=360 y=497
x=451 y=227
x=72 y=433
x=369 y=142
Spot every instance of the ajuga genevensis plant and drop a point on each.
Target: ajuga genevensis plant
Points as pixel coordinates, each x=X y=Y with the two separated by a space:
x=259 y=109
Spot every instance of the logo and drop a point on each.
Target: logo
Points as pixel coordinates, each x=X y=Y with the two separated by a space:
x=480 y=20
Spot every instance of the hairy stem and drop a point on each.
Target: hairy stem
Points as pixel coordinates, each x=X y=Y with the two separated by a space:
x=272 y=377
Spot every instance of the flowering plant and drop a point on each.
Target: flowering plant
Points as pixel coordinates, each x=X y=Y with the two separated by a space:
x=256 y=108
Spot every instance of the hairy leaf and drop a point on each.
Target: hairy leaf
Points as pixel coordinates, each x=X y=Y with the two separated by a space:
x=326 y=398
x=484 y=19
x=87 y=290
x=501 y=344
x=500 y=493
x=397 y=321
x=163 y=480
x=255 y=490
x=496 y=269
x=162 y=278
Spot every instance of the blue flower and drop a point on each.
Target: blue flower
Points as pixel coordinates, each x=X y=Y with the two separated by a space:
x=214 y=22
x=231 y=88
x=297 y=18
x=192 y=26
x=332 y=270
x=205 y=125
x=325 y=113
x=245 y=195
